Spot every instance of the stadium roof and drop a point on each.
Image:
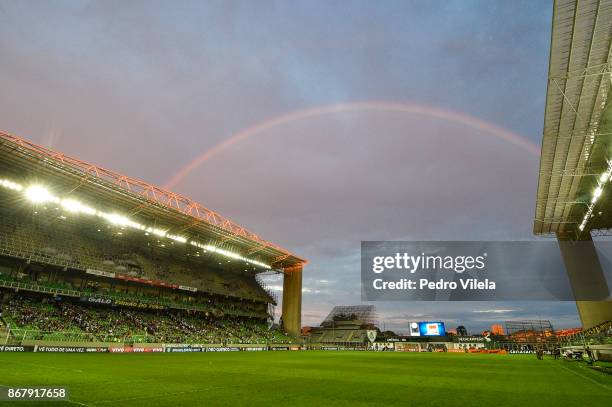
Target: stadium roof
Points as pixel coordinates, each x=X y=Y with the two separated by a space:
x=21 y=160
x=574 y=184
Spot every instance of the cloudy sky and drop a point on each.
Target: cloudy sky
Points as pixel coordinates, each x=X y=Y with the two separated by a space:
x=354 y=120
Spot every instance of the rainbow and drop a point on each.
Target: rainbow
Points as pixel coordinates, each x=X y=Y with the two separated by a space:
x=438 y=113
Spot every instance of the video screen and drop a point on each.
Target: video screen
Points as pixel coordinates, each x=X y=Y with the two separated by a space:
x=432 y=329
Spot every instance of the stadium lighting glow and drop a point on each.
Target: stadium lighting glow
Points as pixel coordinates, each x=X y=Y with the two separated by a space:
x=75 y=206
x=603 y=179
x=176 y=238
x=227 y=253
x=38 y=194
x=120 y=220
x=10 y=185
x=597 y=192
x=156 y=232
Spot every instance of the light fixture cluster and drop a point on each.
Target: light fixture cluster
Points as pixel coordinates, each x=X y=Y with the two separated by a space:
x=227 y=253
x=10 y=185
x=38 y=194
x=603 y=179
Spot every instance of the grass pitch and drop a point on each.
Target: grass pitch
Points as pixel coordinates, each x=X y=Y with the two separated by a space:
x=313 y=378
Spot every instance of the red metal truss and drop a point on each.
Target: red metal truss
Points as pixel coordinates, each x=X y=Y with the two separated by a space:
x=255 y=250
x=281 y=258
x=148 y=191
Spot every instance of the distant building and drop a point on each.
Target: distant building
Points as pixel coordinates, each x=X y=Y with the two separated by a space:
x=497 y=329
x=461 y=331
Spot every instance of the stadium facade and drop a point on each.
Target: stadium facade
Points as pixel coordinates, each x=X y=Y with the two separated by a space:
x=574 y=196
x=73 y=229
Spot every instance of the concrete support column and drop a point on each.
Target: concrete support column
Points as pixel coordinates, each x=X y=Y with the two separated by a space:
x=292 y=300
x=587 y=280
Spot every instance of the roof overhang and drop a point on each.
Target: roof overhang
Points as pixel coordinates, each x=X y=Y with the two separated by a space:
x=578 y=122
x=23 y=160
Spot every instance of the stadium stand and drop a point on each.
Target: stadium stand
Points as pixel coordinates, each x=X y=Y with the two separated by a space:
x=216 y=305
x=45 y=252
x=345 y=325
x=88 y=254
x=71 y=226
x=600 y=334
x=31 y=239
x=35 y=317
x=595 y=343
x=47 y=255
x=528 y=336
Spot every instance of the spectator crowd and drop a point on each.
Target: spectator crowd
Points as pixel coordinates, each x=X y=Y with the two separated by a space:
x=39 y=318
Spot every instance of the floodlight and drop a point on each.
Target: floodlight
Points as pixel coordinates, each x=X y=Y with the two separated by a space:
x=72 y=205
x=39 y=194
x=10 y=185
x=597 y=192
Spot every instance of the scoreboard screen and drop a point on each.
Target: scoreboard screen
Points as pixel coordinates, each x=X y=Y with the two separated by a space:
x=432 y=329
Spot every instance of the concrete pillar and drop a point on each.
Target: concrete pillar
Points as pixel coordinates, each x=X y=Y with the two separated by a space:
x=587 y=280
x=292 y=300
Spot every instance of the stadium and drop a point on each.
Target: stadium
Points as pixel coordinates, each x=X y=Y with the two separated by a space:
x=78 y=232
x=115 y=291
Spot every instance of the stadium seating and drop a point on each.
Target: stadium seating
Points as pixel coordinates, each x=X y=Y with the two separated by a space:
x=600 y=334
x=345 y=325
x=216 y=305
x=47 y=240
x=339 y=336
x=36 y=318
x=151 y=293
